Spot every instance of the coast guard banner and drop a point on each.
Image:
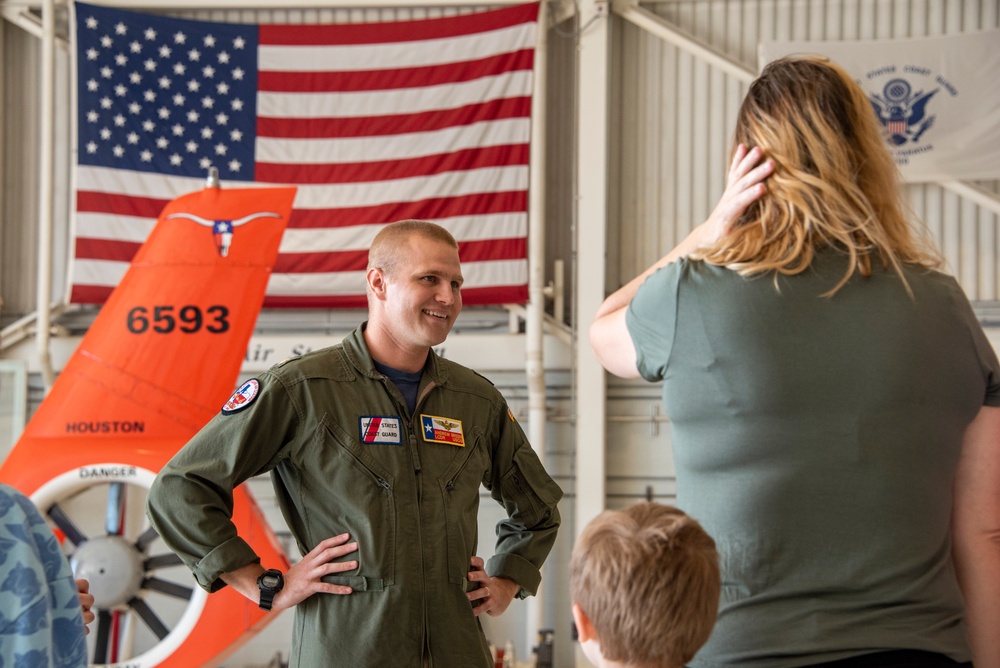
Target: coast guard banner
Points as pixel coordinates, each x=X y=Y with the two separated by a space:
x=936 y=98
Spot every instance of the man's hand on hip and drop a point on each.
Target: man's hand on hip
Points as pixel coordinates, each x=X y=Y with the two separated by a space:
x=305 y=578
x=493 y=594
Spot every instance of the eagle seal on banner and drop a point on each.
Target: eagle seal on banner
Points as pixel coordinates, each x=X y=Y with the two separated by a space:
x=902 y=113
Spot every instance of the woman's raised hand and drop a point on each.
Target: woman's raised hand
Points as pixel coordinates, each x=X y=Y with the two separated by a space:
x=744 y=185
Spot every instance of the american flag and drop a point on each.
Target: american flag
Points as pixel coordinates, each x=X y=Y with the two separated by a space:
x=373 y=122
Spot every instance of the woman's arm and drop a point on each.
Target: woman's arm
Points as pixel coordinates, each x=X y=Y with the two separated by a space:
x=608 y=333
x=976 y=530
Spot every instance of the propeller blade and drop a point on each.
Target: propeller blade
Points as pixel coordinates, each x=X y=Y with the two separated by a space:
x=146 y=539
x=103 y=635
x=66 y=525
x=168 y=588
x=114 y=518
x=147 y=615
x=163 y=561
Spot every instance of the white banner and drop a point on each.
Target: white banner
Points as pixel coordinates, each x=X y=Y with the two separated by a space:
x=937 y=98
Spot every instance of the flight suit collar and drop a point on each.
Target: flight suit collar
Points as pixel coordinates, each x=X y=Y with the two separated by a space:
x=361 y=359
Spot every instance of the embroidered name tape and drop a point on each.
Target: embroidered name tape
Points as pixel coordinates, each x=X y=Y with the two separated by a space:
x=242 y=398
x=381 y=429
x=442 y=430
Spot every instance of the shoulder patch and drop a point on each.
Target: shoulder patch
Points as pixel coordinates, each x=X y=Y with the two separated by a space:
x=242 y=398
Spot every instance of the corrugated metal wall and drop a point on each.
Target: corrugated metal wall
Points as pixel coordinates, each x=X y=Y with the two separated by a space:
x=673 y=119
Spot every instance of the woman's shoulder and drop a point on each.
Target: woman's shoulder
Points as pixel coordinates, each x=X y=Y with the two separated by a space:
x=930 y=279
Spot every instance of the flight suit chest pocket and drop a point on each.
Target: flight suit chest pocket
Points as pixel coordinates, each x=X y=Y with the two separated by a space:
x=459 y=487
x=360 y=499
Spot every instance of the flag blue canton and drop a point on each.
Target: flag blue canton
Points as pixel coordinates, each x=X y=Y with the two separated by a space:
x=165 y=95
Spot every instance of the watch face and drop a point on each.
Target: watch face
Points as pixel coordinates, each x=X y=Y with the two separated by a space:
x=269 y=581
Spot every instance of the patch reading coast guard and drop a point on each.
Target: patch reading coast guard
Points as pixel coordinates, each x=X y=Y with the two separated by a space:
x=382 y=429
x=242 y=398
x=442 y=430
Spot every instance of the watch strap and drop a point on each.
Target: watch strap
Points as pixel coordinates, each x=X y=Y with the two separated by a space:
x=266 y=599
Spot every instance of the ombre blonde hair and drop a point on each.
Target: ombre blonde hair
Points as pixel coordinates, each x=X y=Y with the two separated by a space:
x=834 y=184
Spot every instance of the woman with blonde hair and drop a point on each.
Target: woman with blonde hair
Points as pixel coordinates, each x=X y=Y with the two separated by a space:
x=835 y=404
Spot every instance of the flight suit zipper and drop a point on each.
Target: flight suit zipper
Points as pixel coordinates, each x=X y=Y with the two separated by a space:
x=426 y=659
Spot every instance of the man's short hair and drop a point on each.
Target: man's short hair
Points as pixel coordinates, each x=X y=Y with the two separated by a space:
x=648 y=579
x=390 y=243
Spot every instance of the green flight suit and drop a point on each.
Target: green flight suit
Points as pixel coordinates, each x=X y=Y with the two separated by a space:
x=345 y=455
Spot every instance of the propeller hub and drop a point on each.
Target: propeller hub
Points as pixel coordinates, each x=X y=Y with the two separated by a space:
x=114 y=568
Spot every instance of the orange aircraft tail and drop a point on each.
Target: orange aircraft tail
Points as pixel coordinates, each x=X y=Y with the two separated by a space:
x=159 y=361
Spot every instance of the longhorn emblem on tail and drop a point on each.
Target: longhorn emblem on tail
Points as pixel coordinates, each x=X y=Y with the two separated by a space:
x=222 y=230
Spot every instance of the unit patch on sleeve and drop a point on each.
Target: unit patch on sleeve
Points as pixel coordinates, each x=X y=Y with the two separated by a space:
x=442 y=430
x=242 y=398
x=381 y=429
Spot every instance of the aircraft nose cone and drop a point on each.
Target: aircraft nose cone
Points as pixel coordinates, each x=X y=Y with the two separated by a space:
x=114 y=568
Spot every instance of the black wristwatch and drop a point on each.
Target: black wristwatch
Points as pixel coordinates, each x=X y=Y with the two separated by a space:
x=270 y=583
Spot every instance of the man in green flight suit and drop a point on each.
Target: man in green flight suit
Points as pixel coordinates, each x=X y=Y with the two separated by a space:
x=377 y=449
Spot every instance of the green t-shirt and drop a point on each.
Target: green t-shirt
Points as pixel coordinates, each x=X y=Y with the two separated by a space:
x=816 y=439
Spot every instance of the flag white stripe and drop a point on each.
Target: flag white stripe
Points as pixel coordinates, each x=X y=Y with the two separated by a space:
x=98 y=272
x=392 y=55
x=354 y=104
x=447 y=184
x=93 y=225
x=359 y=237
x=394 y=147
x=323 y=196
x=134 y=229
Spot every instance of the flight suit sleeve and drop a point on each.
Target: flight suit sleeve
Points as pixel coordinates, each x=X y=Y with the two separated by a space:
x=190 y=503
x=523 y=487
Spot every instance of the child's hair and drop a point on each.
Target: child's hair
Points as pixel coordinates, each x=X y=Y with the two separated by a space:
x=648 y=579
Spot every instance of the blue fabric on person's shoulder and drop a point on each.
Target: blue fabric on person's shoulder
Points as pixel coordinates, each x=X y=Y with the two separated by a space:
x=41 y=623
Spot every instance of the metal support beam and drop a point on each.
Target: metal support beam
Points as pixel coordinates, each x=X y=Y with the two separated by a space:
x=46 y=190
x=983 y=198
x=591 y=257
x=668 y=32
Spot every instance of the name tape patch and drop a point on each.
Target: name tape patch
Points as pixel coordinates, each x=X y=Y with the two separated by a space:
x=242 y=398
x=439 y=429
x=383 y=429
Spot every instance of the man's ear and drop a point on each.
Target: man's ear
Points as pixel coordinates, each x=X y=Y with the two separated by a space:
x=376 y=282
x=584 y=629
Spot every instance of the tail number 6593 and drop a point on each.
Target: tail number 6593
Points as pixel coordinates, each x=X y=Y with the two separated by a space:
x=188 y=319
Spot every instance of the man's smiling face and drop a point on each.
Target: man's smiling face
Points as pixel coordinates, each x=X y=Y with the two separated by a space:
x=423 y=294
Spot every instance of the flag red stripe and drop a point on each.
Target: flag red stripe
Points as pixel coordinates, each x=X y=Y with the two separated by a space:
x=387 y=170
x=392 y=124
x=106 y=249
x=396 y=31
x=357 y=260
x=90 y=294
x=122 y=205
x=515 y=201
x=397 y=78
x=429 y=209
x=496 y=294
x=484 y=250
